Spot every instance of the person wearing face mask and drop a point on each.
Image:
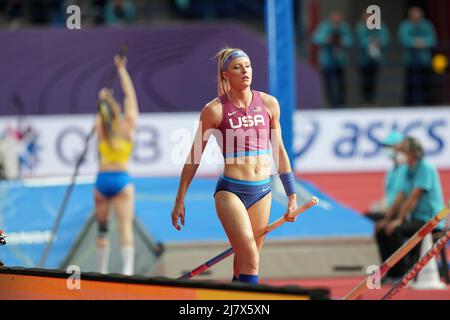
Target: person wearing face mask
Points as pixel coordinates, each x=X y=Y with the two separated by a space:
x=420 y=199
x=393 y=178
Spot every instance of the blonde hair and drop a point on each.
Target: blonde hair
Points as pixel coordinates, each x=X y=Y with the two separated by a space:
x=223 y=86
x=110 y=113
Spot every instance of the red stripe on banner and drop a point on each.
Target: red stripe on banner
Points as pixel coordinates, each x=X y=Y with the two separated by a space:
x=342 y=186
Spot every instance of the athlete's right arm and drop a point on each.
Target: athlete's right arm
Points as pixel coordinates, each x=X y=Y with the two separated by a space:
x=130 y=102
x=210 y=119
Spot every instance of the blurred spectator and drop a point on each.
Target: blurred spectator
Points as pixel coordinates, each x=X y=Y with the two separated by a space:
x=207 y=9
x=119 y=12
x=183 y=8
x=40 y=11
x=20 y=12
x=98 y=7
x=371 y=43
x=334 y=38
x=420 y=199
x=418 y=37
x=26 y=148
x=394 y=178
x=15 y=13
x=58 y=11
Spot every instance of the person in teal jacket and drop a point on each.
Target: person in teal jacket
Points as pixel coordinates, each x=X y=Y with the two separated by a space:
x=418 y=202
x=394 y=177
x=119 y=12
x=371 y=44
x=334 y=38
x=418 y=37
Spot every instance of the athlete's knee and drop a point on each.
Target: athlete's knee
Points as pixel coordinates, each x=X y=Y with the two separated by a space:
x=127 y=239
x=126 y=234
x=249 y=255
x=126 y=226
x=251 y=261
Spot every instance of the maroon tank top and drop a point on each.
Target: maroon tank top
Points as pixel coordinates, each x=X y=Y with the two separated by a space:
x=244 y=132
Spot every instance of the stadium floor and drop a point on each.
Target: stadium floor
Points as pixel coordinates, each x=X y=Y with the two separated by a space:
x=339 y=287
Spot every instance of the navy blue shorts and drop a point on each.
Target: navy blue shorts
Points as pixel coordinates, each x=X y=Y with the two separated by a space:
x=112 y=183
x=249 y=192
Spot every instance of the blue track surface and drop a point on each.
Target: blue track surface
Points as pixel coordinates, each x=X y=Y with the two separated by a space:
x=34 y=209
x=155 y=200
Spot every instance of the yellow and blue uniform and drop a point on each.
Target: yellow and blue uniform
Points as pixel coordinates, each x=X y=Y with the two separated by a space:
x=120 y=153
x=110 y=183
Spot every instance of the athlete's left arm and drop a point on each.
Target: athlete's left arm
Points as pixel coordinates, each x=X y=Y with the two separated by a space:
x=278 y=150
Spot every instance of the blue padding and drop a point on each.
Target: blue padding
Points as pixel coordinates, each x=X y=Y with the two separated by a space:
x=32 y=209
x=282 y=63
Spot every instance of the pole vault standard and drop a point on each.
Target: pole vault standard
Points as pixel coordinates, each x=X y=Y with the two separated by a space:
x=282 y=67
x=400 y=253
x=437 y=247
x=208 y=264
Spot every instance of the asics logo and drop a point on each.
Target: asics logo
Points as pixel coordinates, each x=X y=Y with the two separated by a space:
x=247 y=121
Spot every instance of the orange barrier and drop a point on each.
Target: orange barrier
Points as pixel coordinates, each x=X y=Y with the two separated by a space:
x=40 y=284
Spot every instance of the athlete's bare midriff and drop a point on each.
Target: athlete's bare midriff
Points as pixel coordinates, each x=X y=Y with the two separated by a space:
x=253 y=168
x=113 y=167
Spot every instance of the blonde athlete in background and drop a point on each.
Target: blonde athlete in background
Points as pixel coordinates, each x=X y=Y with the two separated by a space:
x=244 y=122
x=115 y=132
